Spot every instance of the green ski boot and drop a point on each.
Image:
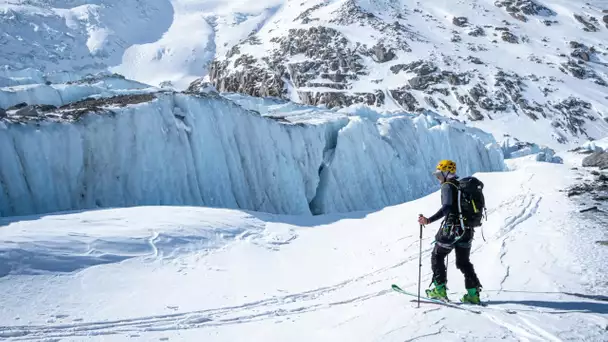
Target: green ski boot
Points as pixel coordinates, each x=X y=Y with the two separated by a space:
x=472 y=296
x=438 y=292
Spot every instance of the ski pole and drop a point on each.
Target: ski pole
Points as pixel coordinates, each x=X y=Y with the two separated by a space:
x=420 y=264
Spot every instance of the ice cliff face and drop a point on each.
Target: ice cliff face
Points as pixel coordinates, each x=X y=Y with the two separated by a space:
x=147 y=148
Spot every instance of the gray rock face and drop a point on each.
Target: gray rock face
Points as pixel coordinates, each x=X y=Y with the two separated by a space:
x=329 y=56
x=460 y=21
x=478 y=31
x=597 y=159
x=405 y=99
x=2 y=113
x=200 y=86
x=519 y=9
x=509 y=37
x=475 y=60
x=589 y=27
x=382 y=54
x=579 y=70
x=340 y=99
x=34 y=110
x=420 y=68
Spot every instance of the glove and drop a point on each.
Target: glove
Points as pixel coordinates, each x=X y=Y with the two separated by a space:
x=423 y=220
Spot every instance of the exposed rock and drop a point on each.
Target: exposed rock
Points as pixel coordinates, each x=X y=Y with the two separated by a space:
x=17 y=106
x=454 y=78
x=520 y=8
x=578 y=53
x=34 y=110
x=430 y=101
x=422 y=82
x=477 y=92
x=201 y=86
x=597 y=159
x=460 y=21
x=478 y=31
x=2 y=113
x=341 y=99
x=404 y=98
x=589 y=27
x=166 y=85
x=475 y=60
x=443 y=91
x=574 y=69
x=474 y=114
x=509 y=37
x=383 y=54
x=420 y=68
x=573 y=112
x=605 y=19
x=305 y=16
x=576 y=45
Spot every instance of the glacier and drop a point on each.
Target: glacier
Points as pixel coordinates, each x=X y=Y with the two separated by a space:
x=171 y=148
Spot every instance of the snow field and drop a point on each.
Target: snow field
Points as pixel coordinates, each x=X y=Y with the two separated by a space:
x=326 y=278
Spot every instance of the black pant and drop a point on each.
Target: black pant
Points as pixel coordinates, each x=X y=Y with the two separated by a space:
x=462 y=262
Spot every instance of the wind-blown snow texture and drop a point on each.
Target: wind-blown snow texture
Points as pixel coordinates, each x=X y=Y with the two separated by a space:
x=203 y=274
x=179 y=149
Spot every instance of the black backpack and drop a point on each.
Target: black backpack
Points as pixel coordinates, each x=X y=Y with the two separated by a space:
x=471 y=204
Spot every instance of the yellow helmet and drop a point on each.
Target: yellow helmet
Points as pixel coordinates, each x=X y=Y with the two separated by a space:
x=446 y=166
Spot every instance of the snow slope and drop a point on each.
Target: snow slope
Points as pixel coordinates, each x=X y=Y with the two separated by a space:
x=165 y=148
x=180 y=273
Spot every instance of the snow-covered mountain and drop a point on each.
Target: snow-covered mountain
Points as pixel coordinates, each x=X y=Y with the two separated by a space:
x=533 y=69
x=543 y=62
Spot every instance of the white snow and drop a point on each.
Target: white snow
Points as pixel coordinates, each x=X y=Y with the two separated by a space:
x=192 y=274
x=186 y=150
x=62 y=94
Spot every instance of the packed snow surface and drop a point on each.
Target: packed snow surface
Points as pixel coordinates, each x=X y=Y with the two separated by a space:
x=184 y=273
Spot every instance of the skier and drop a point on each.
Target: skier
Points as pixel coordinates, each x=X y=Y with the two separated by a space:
x=451 y=235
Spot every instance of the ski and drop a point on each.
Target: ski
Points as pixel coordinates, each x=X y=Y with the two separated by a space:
x=436 y=301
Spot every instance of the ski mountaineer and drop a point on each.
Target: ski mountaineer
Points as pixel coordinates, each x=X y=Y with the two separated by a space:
x=451 y=235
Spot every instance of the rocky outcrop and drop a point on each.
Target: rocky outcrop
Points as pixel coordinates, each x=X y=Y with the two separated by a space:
x=382 y=54
x=521 y=9
x=405 y=99
x=587 y=22
x=460 y=21
x=478 y=31
x=24 y=113
x=509 y=37
x=341 y=99
x=597 y=159
x=329 y=56
x=201 y=86
x=579 y=70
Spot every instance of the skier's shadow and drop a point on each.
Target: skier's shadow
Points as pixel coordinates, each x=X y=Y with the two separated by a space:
x=575 y=306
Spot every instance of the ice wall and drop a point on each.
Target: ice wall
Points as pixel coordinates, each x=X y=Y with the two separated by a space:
x=181 y=149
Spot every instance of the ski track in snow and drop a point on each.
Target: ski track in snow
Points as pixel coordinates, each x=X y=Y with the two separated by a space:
x=520 y=326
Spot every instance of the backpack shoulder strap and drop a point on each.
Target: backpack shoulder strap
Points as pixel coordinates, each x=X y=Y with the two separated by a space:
x=459 y=204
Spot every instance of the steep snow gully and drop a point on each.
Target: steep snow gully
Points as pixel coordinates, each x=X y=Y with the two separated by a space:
x=180 y=149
